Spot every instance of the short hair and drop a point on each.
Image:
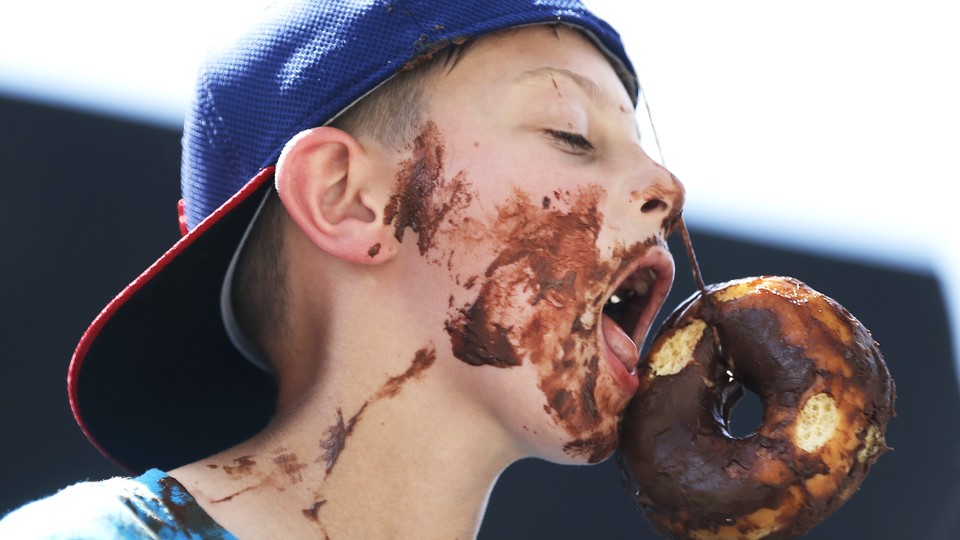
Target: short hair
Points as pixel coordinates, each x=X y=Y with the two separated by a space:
x=392 y=114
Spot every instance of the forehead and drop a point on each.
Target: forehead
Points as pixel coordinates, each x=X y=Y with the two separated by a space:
x=536 y=54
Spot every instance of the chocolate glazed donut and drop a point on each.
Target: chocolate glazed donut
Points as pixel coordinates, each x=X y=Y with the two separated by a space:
x=826 y=393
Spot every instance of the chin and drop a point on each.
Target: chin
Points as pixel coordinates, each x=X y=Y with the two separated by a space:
x=594 y=448
x=586 y=449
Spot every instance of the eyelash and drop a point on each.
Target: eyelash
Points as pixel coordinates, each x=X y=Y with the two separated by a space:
x=573 y=141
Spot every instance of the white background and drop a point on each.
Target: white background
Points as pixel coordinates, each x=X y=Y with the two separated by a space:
x=832 y=126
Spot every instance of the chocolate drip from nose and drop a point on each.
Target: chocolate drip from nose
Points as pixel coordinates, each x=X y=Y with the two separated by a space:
x=698 y=277
x=685 y=234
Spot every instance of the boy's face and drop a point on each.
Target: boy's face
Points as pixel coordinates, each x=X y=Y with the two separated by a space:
x=534 y=202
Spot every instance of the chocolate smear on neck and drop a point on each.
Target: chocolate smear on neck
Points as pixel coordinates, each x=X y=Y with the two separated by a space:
x=290 y=466
x=244 y=466
x=311 y=513
x=333 y=442
x=336 y=435
x=421 y=362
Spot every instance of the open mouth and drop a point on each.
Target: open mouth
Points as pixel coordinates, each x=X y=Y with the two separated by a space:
x=634 y=303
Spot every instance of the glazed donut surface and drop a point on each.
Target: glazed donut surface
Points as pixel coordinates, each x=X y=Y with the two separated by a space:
x=827 y=397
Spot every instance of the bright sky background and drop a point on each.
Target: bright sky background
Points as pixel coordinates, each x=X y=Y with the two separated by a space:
x=828 y=125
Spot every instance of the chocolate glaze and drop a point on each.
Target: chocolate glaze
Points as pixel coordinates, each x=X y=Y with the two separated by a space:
x=785 y=342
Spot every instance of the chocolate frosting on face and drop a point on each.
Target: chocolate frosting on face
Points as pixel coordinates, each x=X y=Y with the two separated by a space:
x=536 y=301
x=791 y=346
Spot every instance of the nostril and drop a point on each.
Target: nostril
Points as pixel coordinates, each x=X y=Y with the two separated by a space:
x=653 y=205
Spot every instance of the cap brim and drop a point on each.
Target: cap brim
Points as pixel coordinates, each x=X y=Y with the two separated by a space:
x=155 y=381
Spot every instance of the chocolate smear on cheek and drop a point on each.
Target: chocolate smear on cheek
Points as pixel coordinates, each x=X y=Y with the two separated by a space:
x=479 y=341
x=423 y=197
x=552 y=257
x=546 y=255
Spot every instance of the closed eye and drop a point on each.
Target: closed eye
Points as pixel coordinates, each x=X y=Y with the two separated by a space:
x=572 y=142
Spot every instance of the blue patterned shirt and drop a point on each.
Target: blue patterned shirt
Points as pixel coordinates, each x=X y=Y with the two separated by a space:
x=152 y=506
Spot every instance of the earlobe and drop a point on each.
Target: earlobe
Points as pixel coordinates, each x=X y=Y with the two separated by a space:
x=330 y=186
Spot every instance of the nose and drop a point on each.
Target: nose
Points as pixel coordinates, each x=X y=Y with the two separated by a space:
x=662 y=195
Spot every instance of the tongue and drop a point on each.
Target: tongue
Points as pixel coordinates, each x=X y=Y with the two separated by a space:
x=620 y=343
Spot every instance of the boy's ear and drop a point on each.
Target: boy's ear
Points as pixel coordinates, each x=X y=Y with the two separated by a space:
x=336 y=192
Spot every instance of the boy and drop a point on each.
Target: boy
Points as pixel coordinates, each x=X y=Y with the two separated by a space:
x=449 y=274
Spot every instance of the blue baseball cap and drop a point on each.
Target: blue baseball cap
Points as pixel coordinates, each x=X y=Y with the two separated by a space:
x=157 y=380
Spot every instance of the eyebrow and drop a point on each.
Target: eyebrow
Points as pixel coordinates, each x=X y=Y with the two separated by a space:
x=592 y=89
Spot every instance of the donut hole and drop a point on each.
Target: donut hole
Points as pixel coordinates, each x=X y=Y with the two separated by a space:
x=744 y=415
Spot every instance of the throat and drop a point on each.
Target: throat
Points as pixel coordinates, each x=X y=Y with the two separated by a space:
x=402 y=468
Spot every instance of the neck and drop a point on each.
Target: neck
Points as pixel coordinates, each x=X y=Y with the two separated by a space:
x=395 y=458
x=377 y=433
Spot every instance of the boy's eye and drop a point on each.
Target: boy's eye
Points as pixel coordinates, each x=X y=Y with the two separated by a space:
x=572 y=141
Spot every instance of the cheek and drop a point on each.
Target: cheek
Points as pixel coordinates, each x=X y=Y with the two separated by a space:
x=537 y=305
x=527 y=279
